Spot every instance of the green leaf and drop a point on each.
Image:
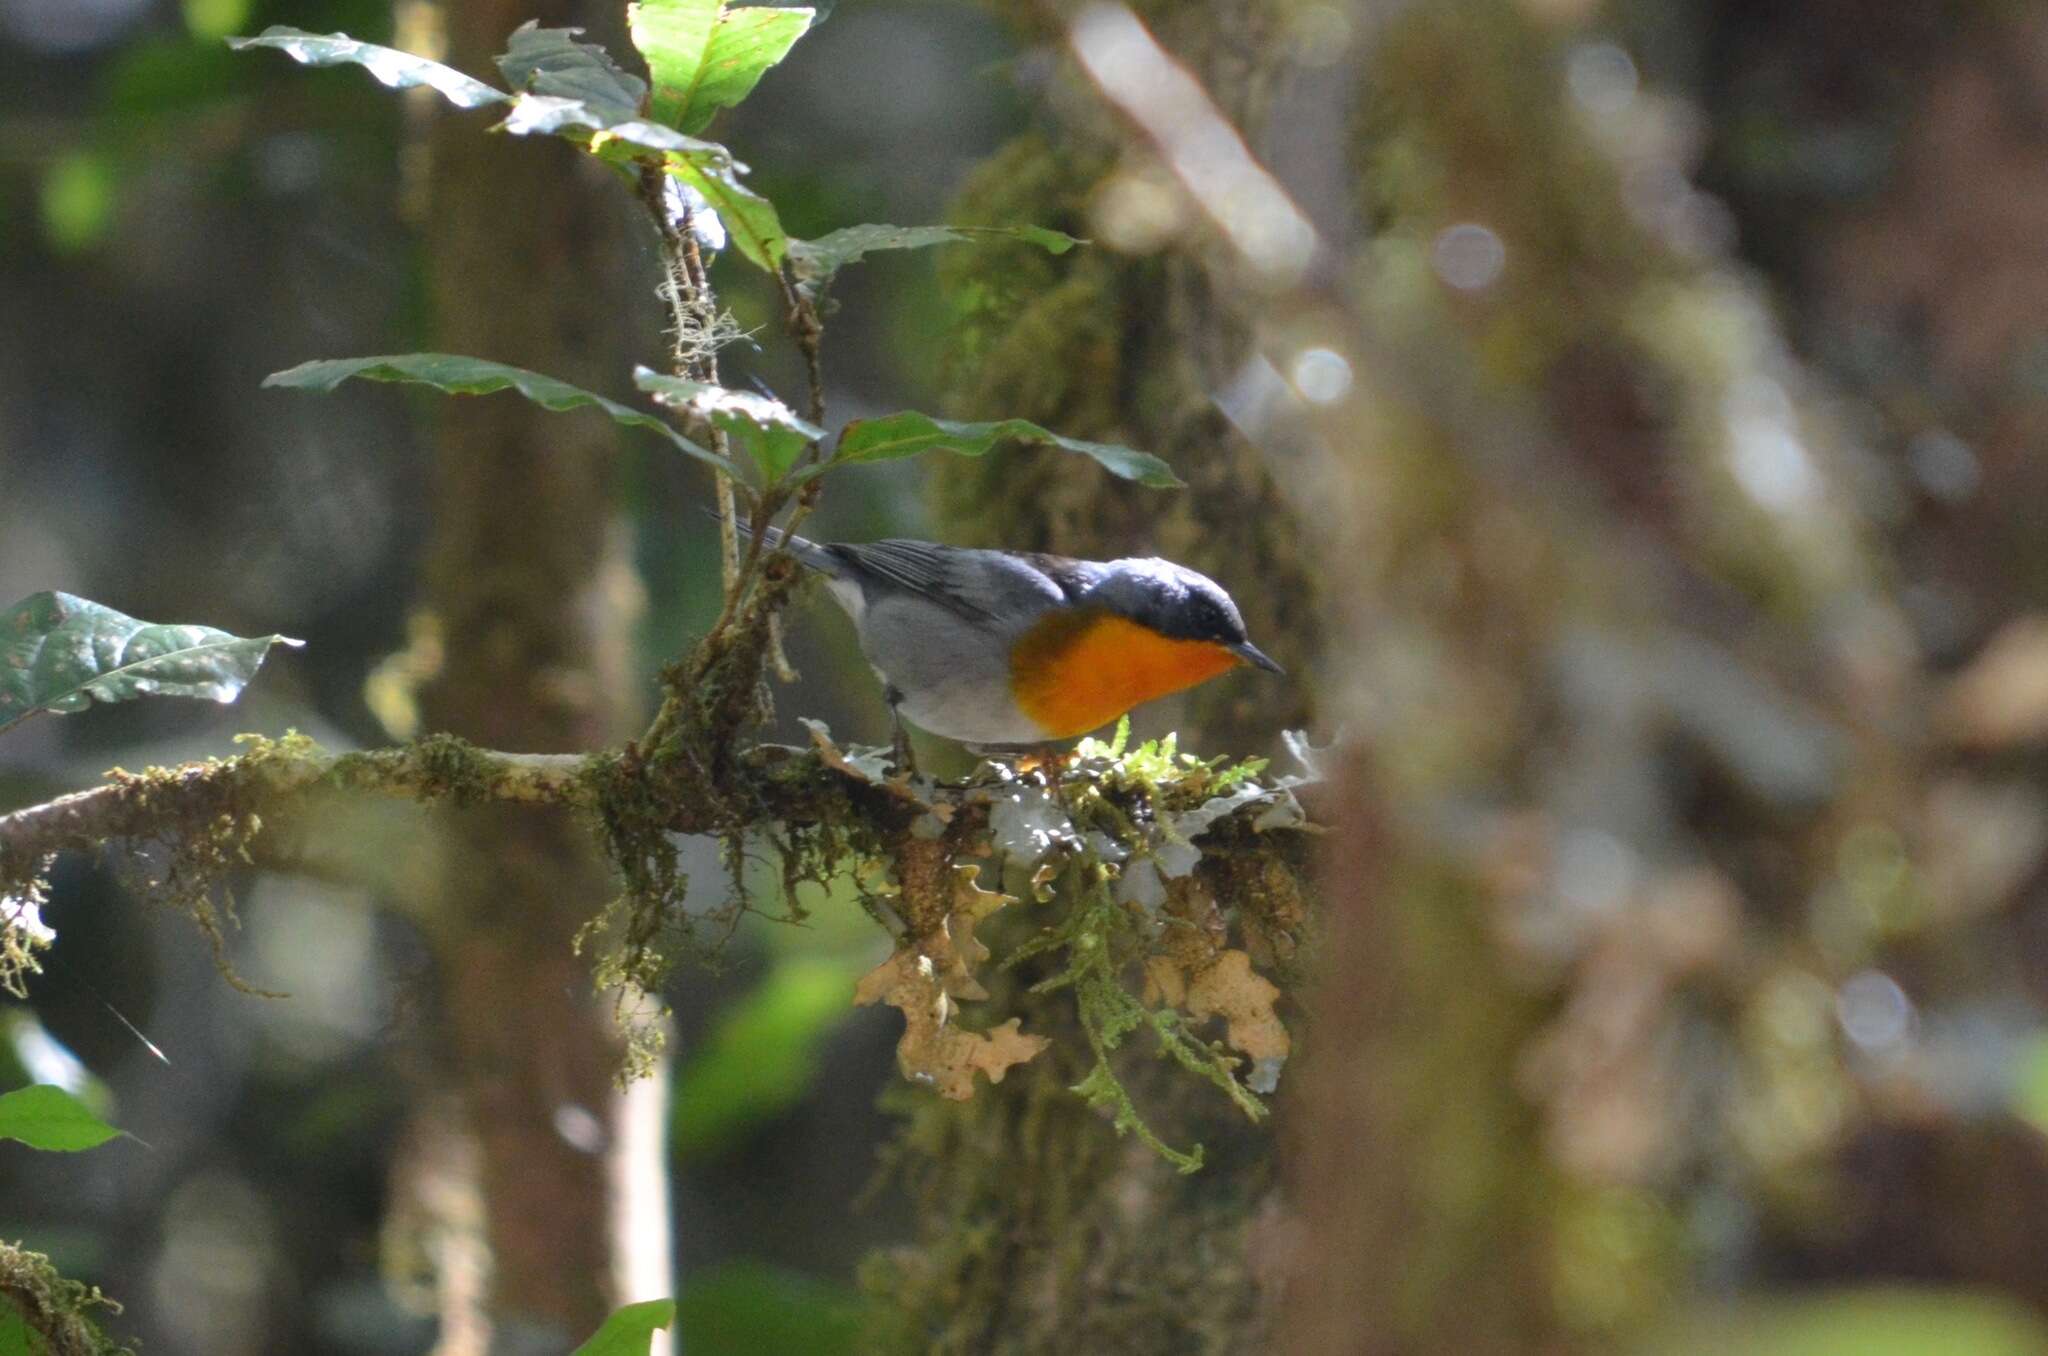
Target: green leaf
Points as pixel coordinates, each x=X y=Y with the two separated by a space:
x=749 y=218
x=61 y=653
x=815 y=261
x=705 y=57
x=630 y=1331
x=760 y=1059
x=17 y=1337
x=550 y=62
x=577 y=121
x=44 y=1116
x=772 y=433
x=399 y=70
x=475 y=376
x=910 y=433
x=568 y=88
x=747 y=1308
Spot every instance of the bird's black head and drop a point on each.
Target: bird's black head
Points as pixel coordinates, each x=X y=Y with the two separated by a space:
x=1178 y=602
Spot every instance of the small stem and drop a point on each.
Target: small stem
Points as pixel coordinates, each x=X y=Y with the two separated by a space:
x=807 y=329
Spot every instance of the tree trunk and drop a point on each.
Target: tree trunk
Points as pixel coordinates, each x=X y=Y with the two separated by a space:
x=530 y=588
x=1040 y=1231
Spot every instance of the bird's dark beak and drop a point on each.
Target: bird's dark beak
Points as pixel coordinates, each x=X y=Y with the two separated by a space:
x=1252 y=654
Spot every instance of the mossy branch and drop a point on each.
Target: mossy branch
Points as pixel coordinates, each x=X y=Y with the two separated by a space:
x=58 y=1312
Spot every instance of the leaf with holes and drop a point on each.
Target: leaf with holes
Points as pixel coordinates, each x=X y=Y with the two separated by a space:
x=910 y=433
x=62 y=653
x=815 y=261
x=399 y=70
x=705 y=56
x=772 y=433
x=475 y=376
x=45 y=1116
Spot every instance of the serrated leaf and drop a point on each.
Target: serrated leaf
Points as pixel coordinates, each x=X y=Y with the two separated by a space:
x=704 y=56
x=630 y=1331
x=815 y=261
x=910 y=433
x=749 y=218
x=475 y=376
x=772 y=433
x=44 y=1116
x=550 y=62
x=62 y=653
x=399 y=70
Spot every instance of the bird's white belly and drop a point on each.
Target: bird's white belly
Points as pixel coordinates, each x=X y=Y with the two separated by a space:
x=979 y=713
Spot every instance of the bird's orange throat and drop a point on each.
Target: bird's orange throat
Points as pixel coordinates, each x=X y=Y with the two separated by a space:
x=1077 y=671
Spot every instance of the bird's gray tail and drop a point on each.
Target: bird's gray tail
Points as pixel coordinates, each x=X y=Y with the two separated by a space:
x=807 y=552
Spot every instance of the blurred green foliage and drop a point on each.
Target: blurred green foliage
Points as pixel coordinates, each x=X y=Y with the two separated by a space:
x=762 y=1055
x=748 y=1309
x=1873 y=1322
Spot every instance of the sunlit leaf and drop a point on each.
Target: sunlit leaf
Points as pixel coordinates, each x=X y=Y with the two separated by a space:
x=475 y=376
x=749 y=218
x=548 y=114
x=772 y=433
x=551 y=63
x=815 y=261
x=62 y=653
x=910 y=433
x=399 y=70
x=45 y=1116
x=705 y=56
x=566 y=88
x=630 y=1331
x=760 y=1059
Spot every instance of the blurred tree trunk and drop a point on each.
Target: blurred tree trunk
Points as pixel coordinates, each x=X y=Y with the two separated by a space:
x=531 y=589
x=1886 y=166
x=1557 y=625
x=1041 y=1232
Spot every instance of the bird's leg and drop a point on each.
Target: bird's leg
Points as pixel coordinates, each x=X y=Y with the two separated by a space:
x=899 y=738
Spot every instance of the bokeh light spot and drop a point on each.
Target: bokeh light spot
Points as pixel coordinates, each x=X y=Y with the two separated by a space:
x=1322 y=375
x=1138 y=213
x=1602 y=78
x=1874 y=1011
x=579 y=1127
x=1468 y=256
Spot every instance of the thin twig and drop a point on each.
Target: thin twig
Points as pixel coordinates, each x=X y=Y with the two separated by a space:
x=692 y=316
x=807 y=329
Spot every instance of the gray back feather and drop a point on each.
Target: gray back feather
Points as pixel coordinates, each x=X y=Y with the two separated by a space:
x=982 y=586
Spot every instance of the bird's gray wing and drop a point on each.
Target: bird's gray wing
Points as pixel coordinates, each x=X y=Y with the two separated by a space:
x=987 y=586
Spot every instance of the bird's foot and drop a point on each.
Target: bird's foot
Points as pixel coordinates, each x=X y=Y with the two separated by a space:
x=900 y=754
